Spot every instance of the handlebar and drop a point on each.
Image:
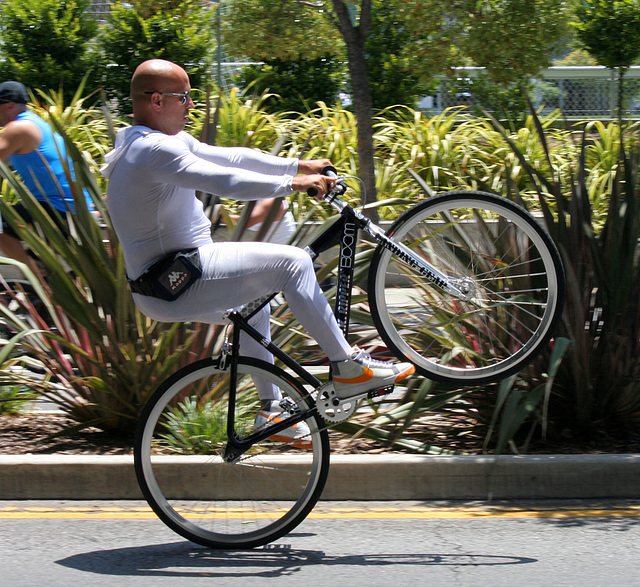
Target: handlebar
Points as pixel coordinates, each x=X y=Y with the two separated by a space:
x=339 y=189
x=343 y=207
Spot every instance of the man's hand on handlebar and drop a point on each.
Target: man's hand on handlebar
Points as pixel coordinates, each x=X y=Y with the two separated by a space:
x=315 y=185
x=312 y=179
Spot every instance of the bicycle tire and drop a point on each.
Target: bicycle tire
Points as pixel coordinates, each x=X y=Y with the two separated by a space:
x=261 y=497
x=509 y=264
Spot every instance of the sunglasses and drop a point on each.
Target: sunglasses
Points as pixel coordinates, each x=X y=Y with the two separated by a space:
x=184 y=98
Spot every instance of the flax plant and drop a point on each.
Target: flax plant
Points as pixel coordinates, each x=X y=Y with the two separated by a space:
x=236 y=119
x=597 y=388
x=86 y=119
x=101 y=357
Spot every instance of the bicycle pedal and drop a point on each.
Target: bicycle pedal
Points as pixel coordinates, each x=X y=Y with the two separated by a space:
x=374 y=393
x=289 y=406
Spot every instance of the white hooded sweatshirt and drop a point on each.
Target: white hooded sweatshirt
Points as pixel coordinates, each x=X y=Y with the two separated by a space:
x=153 y=178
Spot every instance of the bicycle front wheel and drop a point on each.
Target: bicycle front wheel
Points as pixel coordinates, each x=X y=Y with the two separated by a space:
x=498 y=254
x=260 y=497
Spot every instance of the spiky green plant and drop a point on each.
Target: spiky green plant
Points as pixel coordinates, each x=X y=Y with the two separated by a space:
x=194 y=427
x=102 y=357
x=598 y=385
x=86 y=119
x=15 y=394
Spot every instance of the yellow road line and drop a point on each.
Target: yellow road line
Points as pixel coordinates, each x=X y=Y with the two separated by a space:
x=322 y=512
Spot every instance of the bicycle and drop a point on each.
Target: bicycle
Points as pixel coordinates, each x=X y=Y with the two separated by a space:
x=466 y=285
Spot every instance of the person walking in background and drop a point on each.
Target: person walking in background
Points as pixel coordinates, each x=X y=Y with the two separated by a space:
x=38 y=154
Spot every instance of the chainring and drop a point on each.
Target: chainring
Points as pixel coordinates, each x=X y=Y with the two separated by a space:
x=332 y=408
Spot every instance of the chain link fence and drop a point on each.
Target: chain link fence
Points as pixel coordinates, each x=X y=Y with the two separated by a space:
x=589 y=91
x=100 y=9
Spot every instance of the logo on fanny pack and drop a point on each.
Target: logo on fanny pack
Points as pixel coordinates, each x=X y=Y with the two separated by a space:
x=176 y=279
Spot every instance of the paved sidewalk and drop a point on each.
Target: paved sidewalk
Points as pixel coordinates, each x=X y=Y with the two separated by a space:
x=351 y=477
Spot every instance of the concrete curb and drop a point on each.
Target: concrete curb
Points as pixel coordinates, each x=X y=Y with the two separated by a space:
x=351 y=477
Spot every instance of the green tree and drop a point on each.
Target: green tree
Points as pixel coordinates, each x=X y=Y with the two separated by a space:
x=299 y=84
x=288 y=29
x=513 y=39
x=181 y=31
x=46 y=44
x=389 y=65
x=609 y=31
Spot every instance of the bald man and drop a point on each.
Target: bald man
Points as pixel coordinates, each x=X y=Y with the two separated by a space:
x=154 y=172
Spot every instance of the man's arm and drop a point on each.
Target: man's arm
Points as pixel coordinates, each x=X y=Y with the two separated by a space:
x=19 y=138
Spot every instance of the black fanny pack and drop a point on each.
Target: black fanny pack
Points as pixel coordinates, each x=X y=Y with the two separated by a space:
x=169 y=277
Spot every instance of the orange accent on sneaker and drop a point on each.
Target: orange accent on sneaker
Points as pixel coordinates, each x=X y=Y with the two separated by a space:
x=367 y=374
x=408 y=371
x=304 y=442
x=296 y=443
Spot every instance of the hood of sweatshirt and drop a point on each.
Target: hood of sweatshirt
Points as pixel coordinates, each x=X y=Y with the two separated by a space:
x=124 y=138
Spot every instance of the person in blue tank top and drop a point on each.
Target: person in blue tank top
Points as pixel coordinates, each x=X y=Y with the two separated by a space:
x=36 y=153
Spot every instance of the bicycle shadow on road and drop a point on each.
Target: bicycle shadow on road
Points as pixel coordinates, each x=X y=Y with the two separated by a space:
x=184 y=559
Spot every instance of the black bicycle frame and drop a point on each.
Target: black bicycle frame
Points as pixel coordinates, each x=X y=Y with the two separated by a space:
x=343 y=231
x=236 y=445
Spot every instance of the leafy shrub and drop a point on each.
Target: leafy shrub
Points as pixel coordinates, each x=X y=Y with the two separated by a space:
x=293 y=86
x=14 y=390
x=14 y=398
x=597 y=387
x=195 y=428
x=47 y=44
x=177 y=30
x=102 y=358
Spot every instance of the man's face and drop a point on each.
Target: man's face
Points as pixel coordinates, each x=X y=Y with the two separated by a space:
x=175 y=108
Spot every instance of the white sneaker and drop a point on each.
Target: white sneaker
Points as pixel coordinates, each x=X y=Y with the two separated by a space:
x=360 y=373
x=297 y=435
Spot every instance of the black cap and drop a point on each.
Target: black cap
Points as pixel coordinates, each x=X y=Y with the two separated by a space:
x=13 y=92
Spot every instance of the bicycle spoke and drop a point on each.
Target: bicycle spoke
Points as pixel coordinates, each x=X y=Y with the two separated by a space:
x=266 y=491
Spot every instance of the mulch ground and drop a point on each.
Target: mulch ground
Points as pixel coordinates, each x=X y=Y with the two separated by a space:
x=30 y=435
x=36 y=434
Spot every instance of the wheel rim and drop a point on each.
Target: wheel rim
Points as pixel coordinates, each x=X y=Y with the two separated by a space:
x=249 y=503
x=510 y=272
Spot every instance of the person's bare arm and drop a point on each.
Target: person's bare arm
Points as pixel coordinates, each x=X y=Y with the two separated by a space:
x=261 y=210
x=19 y=138
x=312 y=166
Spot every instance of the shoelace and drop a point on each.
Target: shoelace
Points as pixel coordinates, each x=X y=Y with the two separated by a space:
x=364 y=358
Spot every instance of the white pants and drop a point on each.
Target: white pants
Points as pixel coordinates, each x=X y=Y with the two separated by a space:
x=235 y=273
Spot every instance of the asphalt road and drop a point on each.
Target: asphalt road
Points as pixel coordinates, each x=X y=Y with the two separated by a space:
x=361 y=543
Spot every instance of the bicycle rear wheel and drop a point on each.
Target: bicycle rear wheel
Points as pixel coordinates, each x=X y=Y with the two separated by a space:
x=262 y=496
x=497 y=252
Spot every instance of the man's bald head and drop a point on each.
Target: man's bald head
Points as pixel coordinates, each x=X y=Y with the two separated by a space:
x=151 y=82
x=156 y=75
